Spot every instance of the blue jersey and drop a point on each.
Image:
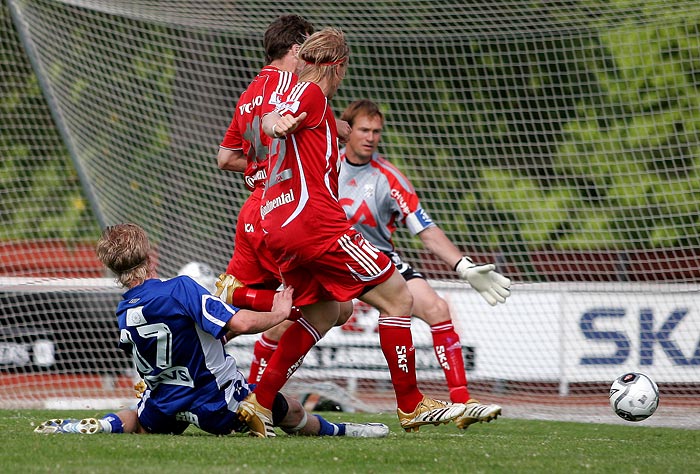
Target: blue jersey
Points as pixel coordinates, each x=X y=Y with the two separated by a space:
x=172 y=329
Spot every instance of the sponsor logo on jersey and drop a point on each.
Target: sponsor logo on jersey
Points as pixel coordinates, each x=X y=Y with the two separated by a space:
x=284 y=198
x=275 y=98
x=288 y=107
x=247 y=108
x=396 y=194
x=260 y=175
x=177 y=375
x=249 y=227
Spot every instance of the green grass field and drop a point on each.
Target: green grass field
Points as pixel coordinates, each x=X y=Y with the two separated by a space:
x=506 y=446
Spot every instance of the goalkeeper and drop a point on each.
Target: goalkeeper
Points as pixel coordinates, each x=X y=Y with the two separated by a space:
x=377 y=197
x=172 y=329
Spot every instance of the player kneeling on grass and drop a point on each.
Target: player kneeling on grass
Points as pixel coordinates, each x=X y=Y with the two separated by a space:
x=173 y=329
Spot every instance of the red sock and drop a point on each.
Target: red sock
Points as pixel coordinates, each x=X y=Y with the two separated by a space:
x=448 y=351
x=259 y=299
x=396 y=341
x=293 y=346
x=262 y=352
x=253 y=298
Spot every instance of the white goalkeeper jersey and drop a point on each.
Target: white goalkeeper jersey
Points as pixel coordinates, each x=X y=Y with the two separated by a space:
x=376 y=198
x=172 y=329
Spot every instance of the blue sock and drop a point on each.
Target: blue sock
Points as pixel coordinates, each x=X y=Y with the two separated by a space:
x=330 y=429
x=114 y=422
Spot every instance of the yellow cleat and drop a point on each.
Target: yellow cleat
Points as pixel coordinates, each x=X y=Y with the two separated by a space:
x=257 y=417
x=226 y=285
x=475 y=412
x=139 y=388
x=430 y=412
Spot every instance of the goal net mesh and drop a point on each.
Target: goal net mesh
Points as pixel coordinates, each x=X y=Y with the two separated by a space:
x=556 y=139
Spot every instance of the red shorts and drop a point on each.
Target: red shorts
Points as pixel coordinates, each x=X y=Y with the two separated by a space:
x=342 y=273
x=251 y=262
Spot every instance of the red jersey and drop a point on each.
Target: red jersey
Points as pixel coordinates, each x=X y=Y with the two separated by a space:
x=300 y=211
x=245 y=133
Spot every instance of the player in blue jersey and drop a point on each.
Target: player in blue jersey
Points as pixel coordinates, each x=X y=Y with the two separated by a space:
x=173 y=331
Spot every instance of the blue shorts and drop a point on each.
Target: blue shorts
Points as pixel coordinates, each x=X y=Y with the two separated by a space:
x=217 y=416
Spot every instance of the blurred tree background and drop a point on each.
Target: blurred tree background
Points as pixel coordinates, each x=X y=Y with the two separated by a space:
x=567 y=126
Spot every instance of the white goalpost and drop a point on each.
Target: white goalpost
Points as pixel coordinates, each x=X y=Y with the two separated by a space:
x=556 y=139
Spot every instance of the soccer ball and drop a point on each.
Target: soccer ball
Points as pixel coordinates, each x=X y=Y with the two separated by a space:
x=201 y=273
x=634 y=396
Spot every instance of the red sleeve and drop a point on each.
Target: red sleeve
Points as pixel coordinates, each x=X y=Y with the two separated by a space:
x=305 y=97
x=401 y=189
x=232 y=139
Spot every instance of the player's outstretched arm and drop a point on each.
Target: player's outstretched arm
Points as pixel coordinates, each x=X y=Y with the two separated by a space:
x=277 y=126
x=490 y=284
x=246 y=321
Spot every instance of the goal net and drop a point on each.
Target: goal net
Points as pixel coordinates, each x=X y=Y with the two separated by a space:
x=556 y=139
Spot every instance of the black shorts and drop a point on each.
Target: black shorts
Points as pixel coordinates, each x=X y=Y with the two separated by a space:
x=406 y=271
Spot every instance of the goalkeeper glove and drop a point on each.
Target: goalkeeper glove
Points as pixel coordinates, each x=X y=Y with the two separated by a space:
x=490 y=284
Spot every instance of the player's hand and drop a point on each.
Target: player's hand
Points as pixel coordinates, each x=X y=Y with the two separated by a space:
x=282 y=301
x=490 y=284
x=287 y=124
x=344 y=130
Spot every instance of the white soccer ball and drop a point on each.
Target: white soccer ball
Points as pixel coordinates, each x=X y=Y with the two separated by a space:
x=201 y=273
x=634 y=396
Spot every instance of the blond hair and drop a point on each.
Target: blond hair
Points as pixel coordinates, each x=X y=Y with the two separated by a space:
x=126 y=251
x=325 y=53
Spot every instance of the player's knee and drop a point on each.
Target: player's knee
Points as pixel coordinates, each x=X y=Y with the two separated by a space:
x=346 y=310
x=275 y=332
x=434 y=311
x=404 y=301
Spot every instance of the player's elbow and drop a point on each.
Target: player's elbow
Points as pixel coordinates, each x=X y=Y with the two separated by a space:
x=222 y=158
x=231 y=160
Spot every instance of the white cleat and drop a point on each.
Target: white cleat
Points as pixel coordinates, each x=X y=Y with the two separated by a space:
x=430 y=412
x=88 y=426
x=70 y=426
x=366 y=430
x=55 y=426
x=475 y=412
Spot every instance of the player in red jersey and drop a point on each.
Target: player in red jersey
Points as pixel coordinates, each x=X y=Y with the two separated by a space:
x=245 y=149
x=377 y=198
x=324 y=258
x=252 y=276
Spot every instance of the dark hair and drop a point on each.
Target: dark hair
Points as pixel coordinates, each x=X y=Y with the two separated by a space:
x=283 y=33
x=361 y=107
